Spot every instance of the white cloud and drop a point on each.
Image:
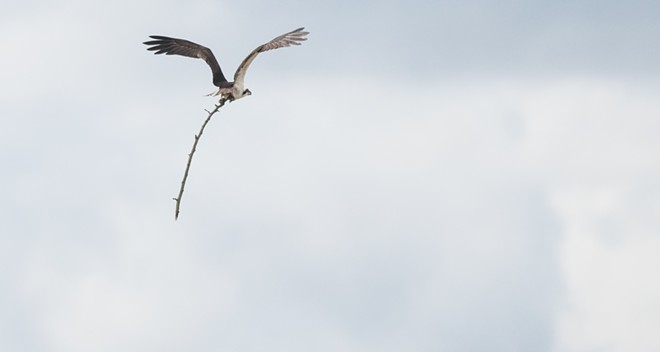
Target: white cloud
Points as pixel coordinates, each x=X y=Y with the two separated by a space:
x=358 y=213
x=451 y=212
x=610 y=266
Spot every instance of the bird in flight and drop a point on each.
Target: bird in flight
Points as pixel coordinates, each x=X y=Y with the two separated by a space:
x=227 y=90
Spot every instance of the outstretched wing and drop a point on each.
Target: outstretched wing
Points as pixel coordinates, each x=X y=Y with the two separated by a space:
x=287 y=39
x=174 y=46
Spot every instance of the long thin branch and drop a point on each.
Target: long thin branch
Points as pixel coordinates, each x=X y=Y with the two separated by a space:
x=192 y=152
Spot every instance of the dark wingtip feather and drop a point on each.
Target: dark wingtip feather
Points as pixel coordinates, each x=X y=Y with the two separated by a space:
x=157 y=45
x=158 y=40
x=301 y=31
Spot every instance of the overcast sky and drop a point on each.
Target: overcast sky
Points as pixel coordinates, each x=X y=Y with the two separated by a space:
x=417 y=176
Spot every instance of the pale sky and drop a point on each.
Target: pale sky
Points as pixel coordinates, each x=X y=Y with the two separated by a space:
x=417 y=176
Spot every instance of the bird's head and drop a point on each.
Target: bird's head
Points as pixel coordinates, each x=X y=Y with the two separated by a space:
x=246 y=93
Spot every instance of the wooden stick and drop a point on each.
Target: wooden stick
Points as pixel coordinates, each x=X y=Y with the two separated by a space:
x=192 y=152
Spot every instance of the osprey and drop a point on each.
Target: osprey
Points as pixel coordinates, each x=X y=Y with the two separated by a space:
x=228 y=90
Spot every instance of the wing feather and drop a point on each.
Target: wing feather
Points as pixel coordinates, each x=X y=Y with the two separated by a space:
x=174 y=46
x=294 y=37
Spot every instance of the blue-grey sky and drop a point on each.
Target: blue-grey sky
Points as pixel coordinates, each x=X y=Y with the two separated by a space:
x=417 y=176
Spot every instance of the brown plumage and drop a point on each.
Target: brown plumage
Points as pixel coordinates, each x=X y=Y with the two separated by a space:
x=232 y=90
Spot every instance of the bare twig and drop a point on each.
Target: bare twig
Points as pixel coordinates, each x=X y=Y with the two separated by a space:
x=192 y=152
